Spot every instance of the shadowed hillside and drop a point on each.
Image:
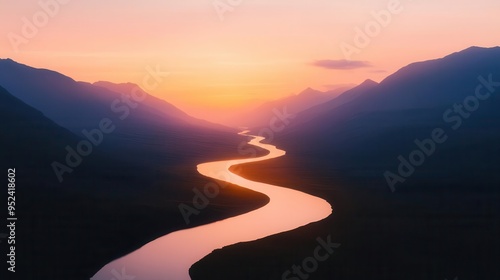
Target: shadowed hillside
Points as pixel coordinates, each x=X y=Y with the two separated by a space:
x=441 y=222
x=106 y=207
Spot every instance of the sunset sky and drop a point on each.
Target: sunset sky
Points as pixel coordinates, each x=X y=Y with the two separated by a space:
x=257 y=50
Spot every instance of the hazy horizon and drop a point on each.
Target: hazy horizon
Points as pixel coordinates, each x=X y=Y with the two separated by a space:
x=224 y=57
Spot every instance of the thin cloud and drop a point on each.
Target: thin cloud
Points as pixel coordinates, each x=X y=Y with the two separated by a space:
x=341 y=64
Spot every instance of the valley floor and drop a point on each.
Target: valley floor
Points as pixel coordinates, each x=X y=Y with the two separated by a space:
x=409 y=234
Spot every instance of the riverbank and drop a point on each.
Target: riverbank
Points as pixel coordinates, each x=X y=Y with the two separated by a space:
x=411 y=234
x=108 y=207
x=171 y=255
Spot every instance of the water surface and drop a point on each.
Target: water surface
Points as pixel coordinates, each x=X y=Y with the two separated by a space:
x=170 y=257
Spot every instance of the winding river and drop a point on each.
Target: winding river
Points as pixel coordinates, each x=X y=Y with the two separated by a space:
x=170 y=257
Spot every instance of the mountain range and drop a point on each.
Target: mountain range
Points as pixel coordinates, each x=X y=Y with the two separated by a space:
x=147 y=164
x=293 y=104
x=433 y=126
x=104 y=199
x=385 y=120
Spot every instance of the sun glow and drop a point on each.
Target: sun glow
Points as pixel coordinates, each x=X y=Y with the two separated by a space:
x=257 y=51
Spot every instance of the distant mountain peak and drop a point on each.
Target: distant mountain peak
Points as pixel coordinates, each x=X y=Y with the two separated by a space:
x=106 y=84
x=112 y=83
x=473 y=50
x=11 y=68
x=9 y=61
x=368 y=82
x=309 y=91
x=477 y=48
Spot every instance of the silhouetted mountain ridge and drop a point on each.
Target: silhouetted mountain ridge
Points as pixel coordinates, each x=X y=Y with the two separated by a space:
x=149 y=128
x=444 y=212
x=377 y=126
x=83 y=222
x=159 y=105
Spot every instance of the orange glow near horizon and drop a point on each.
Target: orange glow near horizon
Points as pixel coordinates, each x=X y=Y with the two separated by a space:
x=260 y=51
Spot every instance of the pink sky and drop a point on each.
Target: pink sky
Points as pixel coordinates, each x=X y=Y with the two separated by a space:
x=258 y=50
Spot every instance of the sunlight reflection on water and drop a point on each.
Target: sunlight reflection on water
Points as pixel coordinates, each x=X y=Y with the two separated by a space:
x=170 y=256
